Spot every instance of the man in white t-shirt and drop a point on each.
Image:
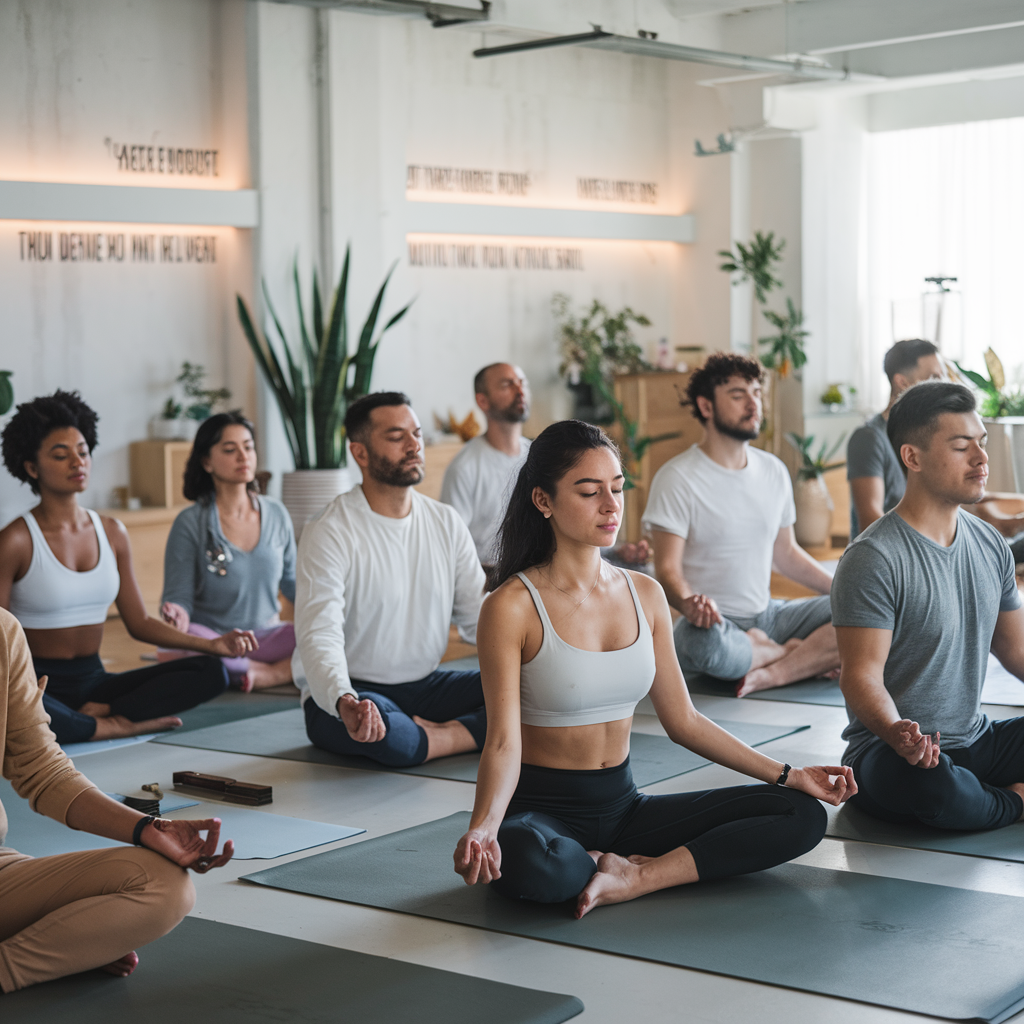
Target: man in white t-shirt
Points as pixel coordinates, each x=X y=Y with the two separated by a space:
x=478 y=480
x=721 y=515
x=382 y=572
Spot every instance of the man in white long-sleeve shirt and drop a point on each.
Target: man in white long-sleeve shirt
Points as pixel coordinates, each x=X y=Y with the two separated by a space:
x=382 y=572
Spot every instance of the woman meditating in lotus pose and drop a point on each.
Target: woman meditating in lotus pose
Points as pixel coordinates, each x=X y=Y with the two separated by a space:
x=568 y=646
x=229 y=554
x=61 y=566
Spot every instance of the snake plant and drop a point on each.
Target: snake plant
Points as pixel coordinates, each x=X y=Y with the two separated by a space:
x=319 y=377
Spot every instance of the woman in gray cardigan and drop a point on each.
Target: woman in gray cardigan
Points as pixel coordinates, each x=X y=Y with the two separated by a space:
x=230 y=554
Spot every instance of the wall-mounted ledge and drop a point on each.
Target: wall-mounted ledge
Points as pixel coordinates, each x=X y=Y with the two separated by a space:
x=539 y=222
x=126 y=204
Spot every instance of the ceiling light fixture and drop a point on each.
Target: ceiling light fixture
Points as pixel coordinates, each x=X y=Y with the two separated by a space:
x=646 y=47
x=440 y=15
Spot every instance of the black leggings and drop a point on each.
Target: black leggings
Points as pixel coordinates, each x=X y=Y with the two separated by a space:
x=163 y=689
x=556 y=816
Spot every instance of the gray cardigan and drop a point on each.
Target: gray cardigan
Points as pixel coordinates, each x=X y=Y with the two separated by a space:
x=245 y=596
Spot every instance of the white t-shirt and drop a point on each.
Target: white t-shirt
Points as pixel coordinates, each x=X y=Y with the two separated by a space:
x=374 y=596
x=477 y=484
x=729 y=519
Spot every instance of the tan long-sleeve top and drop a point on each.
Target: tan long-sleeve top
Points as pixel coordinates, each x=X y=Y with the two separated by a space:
x=33 y=762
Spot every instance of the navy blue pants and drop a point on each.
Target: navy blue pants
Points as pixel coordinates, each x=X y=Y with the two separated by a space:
x=556 y=816
x=963 y=791
x=440 y=697
x=163 y=689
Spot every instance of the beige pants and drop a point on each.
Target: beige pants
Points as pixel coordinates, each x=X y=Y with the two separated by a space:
x=76 y=911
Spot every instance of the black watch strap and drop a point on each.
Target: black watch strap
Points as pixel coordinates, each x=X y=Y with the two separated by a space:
x=781 y=780
x=139 y=826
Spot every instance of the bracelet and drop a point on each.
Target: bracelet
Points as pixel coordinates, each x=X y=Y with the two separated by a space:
x=139 y=826
x=781 y=780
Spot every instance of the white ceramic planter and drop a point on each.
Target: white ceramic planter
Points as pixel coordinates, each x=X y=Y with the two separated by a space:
x=814 y=509
x=182 y=429
x=305 y=491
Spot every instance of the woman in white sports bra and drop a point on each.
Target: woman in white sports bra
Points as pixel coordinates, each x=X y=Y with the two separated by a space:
x=61 y=567
x=568 y=646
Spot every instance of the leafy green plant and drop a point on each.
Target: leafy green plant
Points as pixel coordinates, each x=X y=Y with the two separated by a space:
x=314 y=387
x=6 y=391
x=814 y=466
x=996 y=398
x=755 y=262
x=595 y=347
x=785 y=349
x=191 y=379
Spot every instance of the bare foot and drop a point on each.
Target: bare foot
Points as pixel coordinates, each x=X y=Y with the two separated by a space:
x=115 y=727
x=94 y=710
x=123 y=967
x=764 y=650
x=263 y=673
x=758 y=679
x=445 y=738
x=617 y=880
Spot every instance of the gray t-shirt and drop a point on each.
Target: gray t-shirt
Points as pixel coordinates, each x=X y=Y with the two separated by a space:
x=869 y=453
x=245 y=597
x=941 y=605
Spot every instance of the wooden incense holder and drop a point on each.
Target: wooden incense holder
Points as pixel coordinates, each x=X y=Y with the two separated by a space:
x=223 y=788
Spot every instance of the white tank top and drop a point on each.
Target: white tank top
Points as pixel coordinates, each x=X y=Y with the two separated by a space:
x=52 y=596
x=564 y=685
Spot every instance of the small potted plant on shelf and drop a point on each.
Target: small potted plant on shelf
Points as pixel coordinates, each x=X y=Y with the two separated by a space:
x=178 y=422
x=814 y=505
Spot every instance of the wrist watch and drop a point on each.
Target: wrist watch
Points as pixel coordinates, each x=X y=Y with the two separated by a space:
x=781 y=780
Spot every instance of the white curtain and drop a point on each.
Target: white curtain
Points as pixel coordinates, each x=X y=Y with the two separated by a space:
x=947 y=200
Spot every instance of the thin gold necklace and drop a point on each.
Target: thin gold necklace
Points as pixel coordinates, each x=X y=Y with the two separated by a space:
x=579 y=604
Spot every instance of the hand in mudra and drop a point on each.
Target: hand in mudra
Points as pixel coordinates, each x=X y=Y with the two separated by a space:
x=833 y=783
x=478 y=857
x=701 y=611
x=236 y=644
x=362 y=719
x=182 y=843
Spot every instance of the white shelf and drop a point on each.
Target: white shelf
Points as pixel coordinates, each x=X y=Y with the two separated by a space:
x=127 y=204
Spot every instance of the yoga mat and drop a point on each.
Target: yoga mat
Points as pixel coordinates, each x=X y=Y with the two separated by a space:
x=848 y=822
x=258 y=835
x=913 y=946
x=236 y=707
x=283 y=735
x=206 y=971
x=74 y=750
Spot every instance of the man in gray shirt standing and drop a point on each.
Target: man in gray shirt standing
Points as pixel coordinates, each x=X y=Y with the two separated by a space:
x=918 y=601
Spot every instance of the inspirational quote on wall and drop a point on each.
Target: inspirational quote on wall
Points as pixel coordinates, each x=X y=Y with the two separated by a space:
x=114 y=247
x=463 y=256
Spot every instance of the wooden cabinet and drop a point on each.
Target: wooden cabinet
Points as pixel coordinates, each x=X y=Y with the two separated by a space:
x=157 y=472
x=653 y=401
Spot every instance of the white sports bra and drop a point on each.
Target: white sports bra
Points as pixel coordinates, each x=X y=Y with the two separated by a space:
x=52 y=596
x=564 y=685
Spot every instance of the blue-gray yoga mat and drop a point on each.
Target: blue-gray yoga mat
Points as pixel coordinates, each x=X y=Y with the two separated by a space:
x=258 y=835
x=912 y=946
x=652 y=758
x=216 y=973
x=848 y=822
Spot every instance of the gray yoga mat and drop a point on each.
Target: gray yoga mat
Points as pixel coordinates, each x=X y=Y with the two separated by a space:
x=207 y=971
x=929 y=949
x=258 y=835
x=847 y=822
x=652 y=758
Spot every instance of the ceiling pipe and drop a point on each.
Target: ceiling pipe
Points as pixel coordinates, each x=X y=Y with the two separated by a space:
x=600 y=40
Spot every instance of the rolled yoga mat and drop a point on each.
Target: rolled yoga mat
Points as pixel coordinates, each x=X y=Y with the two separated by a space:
x=929 y=949
x=207 y=971
x=258 y=835
x=652 y=758
x=1006 y=843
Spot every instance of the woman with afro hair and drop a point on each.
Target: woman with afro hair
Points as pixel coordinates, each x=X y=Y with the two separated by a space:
x=62 y=565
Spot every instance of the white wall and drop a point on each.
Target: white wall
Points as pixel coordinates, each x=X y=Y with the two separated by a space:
x=73 y=75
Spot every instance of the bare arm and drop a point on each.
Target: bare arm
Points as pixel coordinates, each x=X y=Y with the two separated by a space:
x=863 y=653
x=1008 y=641
x=500 y=637
x=792 y=561
x=686 y=726
x=142 y=626
x=868 y=495
x=699 y=609
x=15 y=557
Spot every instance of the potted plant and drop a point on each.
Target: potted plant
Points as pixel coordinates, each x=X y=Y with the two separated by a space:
x=6 y=391
x=814 y=505
x=313 y=386
x=178 y=422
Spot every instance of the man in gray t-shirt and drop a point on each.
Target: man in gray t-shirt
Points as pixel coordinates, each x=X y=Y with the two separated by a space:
x=918 y=601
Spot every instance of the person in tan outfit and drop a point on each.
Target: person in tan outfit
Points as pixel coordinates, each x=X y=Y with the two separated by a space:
x=79 y=911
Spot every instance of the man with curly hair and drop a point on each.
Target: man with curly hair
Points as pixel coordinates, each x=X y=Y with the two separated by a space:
x=721 y=515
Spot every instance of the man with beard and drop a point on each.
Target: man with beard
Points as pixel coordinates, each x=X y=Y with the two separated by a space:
x=382 y=573
x=477 y=481
x=721 y=515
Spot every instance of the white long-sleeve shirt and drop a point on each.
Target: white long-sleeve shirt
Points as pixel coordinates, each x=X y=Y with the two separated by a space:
x=374 y=596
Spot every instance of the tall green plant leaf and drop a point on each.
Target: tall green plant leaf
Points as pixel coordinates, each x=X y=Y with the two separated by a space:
x=307 y=346
x=331 y=373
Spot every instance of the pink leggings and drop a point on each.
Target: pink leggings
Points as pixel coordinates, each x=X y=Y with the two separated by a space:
x=276 y=644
